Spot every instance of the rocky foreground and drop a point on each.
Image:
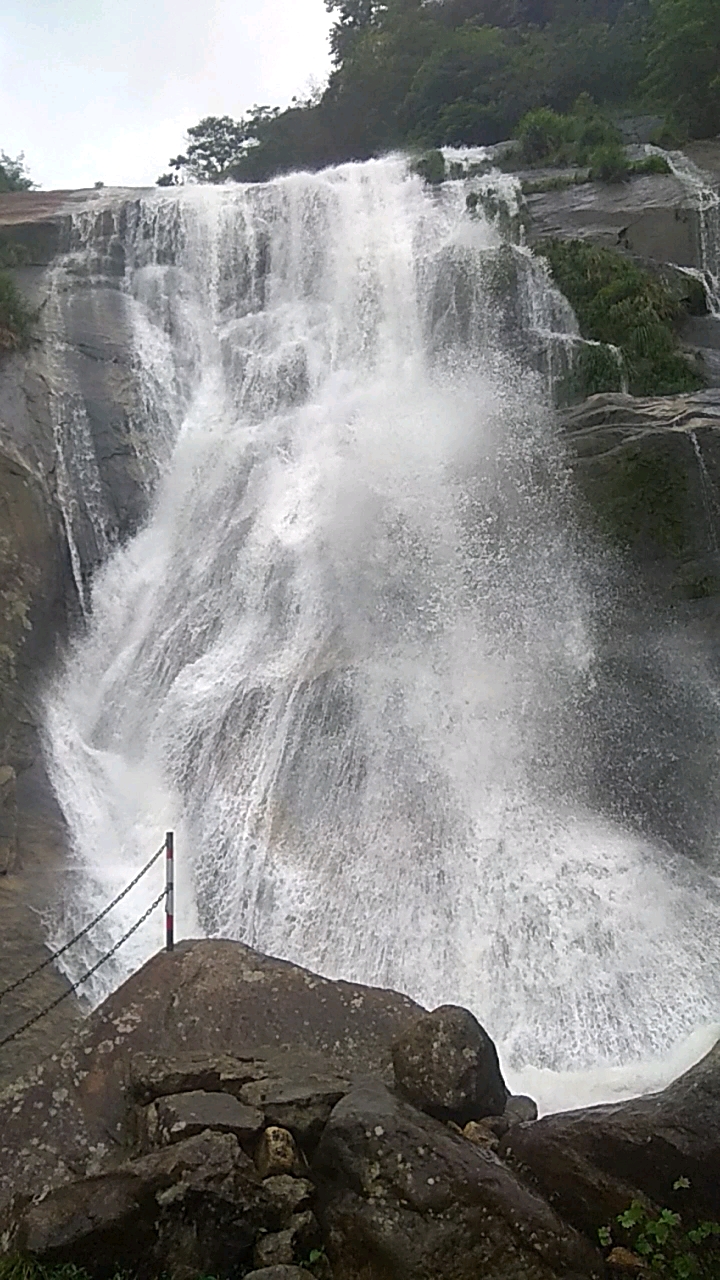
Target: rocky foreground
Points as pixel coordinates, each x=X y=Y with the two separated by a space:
x=224 y=1111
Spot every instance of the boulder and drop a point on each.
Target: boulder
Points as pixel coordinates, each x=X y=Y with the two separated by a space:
x=446 y=1064
x=211 y=1000
x=401 y=1195
x=591 y=1163
x=182 y=1115
x=519 y=1109
x=195 y=1208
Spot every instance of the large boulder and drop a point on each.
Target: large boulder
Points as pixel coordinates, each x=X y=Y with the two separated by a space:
x=241 y=1016
x=195 y=1208
x=591 y=1163
x=401 y=1195
x=446 y=1064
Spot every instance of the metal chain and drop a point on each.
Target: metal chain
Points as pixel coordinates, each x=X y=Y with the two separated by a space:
x=48 y=1008
x=66 y=947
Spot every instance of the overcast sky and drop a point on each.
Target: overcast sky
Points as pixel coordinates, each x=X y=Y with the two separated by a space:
x=104 y=90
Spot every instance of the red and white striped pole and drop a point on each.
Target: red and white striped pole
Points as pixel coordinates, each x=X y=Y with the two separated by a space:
x=169 y=891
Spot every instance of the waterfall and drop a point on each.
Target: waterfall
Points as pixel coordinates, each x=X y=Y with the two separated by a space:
x=353 y=656
x=706 y=200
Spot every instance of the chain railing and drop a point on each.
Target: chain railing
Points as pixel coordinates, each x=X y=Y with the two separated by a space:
x=167 y=895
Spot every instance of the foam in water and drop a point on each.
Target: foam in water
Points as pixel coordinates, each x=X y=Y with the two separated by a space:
x=350 y=657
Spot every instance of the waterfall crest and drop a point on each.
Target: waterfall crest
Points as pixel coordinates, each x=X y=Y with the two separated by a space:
x=350 y=657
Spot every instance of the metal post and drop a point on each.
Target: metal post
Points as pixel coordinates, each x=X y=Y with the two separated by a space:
x=169 y=890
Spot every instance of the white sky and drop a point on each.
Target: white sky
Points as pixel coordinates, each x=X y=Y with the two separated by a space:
x=104 y=90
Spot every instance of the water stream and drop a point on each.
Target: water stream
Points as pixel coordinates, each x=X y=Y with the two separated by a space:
x=357 y=658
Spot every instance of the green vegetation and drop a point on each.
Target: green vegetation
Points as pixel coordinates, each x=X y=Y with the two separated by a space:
x=683 y=60
x=651 y=164
x=431 y=167
x=17 y=319
x=13 y=174
x=16 y=1267
x=424 y=74
x=619 y=303
x=548 y=138
x=663 y=1244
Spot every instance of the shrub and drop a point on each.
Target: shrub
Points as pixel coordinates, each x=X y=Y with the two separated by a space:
x=17 y=319
x=541 y=134
x=13 y=174
x=591 y=131
x=619 y=303
x=651 y=164
x=608 y=163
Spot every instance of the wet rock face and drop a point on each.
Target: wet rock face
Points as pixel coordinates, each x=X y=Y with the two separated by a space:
x=400 y=1194
x=446 y=1064
x=592 y=1163
x=649 y=217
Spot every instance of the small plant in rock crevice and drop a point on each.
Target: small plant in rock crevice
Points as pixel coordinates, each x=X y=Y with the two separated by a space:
x=17 y=317
x=662 y=1245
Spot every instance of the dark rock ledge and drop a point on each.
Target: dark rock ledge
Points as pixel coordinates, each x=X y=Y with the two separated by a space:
x=228 y=1114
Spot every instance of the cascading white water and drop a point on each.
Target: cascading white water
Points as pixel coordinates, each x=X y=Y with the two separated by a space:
x=347 y=657
x=706 y=200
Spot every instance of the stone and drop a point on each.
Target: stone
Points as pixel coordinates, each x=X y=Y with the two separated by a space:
x=481 y=1134
x=301 y=1235
x=215 y=999
x=277 y=1153
x=625 y=1261
x=275 y=1250
x=399 y=1194
x=519 y=1109
x=288 y=1194
x=447 y=1065
x=297 y=1098
x=593 y=1162
x=157 y=1077
x=194 y=1208
x=280 y=1273
x=182 y=1115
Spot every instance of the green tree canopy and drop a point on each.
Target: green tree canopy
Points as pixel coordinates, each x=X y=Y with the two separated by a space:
x=431 y=73
x=13 y=174
x=684 y=61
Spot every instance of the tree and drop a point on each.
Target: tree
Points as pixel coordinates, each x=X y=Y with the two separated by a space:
x=216 y=145
x=355 y=16
x=685 y=61
x=13 y=174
